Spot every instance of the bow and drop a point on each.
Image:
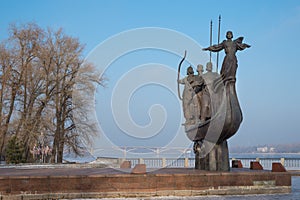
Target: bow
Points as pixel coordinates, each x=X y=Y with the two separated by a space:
x=178 y=75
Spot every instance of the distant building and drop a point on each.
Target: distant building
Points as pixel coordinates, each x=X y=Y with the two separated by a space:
x=265 y=149
x=262 y=149
x=272 y=149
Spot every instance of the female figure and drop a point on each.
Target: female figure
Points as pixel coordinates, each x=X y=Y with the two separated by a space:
x=230 y=64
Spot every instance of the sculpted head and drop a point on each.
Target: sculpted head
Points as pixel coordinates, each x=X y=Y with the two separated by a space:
x=229 y=35
x=189 y=70
x=199 y=68
x=209 y=66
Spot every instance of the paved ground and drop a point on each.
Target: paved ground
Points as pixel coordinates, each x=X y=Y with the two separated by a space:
x=56 y=171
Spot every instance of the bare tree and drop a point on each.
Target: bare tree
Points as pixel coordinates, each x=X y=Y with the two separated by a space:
x=69 y=69
x=39 y=70
x=7 y=93
x=26 y=40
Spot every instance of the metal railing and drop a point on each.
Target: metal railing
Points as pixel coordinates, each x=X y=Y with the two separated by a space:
x=288 y=163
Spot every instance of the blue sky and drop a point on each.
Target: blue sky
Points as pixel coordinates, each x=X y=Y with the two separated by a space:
x=268 y=82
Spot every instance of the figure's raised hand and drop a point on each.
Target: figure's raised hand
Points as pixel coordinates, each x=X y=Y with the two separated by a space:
x=205 y=49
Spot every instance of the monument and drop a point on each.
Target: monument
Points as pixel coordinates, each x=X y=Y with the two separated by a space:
x=212 y=114
x=211 y=107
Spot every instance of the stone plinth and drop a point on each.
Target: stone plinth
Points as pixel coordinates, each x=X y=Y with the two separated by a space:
x=255 y=165
x=236 y=164
x=111 y=183
x=216 y=159
x=278 y=167
x=125 y=165
x=139 y=169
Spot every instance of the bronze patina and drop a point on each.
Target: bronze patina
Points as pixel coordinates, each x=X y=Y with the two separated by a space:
x=211 y=107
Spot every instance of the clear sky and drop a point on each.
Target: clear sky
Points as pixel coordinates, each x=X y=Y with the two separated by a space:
x=267 y=78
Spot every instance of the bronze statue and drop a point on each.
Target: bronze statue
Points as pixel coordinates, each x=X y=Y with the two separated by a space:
x=230 y=46
x=190 y=97
x=228 y=78
x=209 y=78
x=218 y=115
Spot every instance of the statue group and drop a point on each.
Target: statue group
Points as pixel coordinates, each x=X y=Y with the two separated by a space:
x=196 y=98
x=211 y=106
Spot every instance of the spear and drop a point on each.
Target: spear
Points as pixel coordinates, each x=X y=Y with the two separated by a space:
x=218 y=41
x=210 y=40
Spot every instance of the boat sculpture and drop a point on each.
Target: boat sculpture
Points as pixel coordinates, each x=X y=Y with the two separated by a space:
x=211 y=107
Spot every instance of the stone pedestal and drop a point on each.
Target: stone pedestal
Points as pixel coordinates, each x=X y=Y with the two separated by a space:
x=278 y=167
x=217 y=159
x=255 y=165
x=106 y=183
x=125 y=165
x=139 y=169
x=236 y=164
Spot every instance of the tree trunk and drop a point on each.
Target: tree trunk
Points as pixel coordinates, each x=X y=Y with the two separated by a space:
x=7 y=121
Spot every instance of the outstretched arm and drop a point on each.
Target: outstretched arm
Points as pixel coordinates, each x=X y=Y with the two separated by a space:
x=214 y=48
